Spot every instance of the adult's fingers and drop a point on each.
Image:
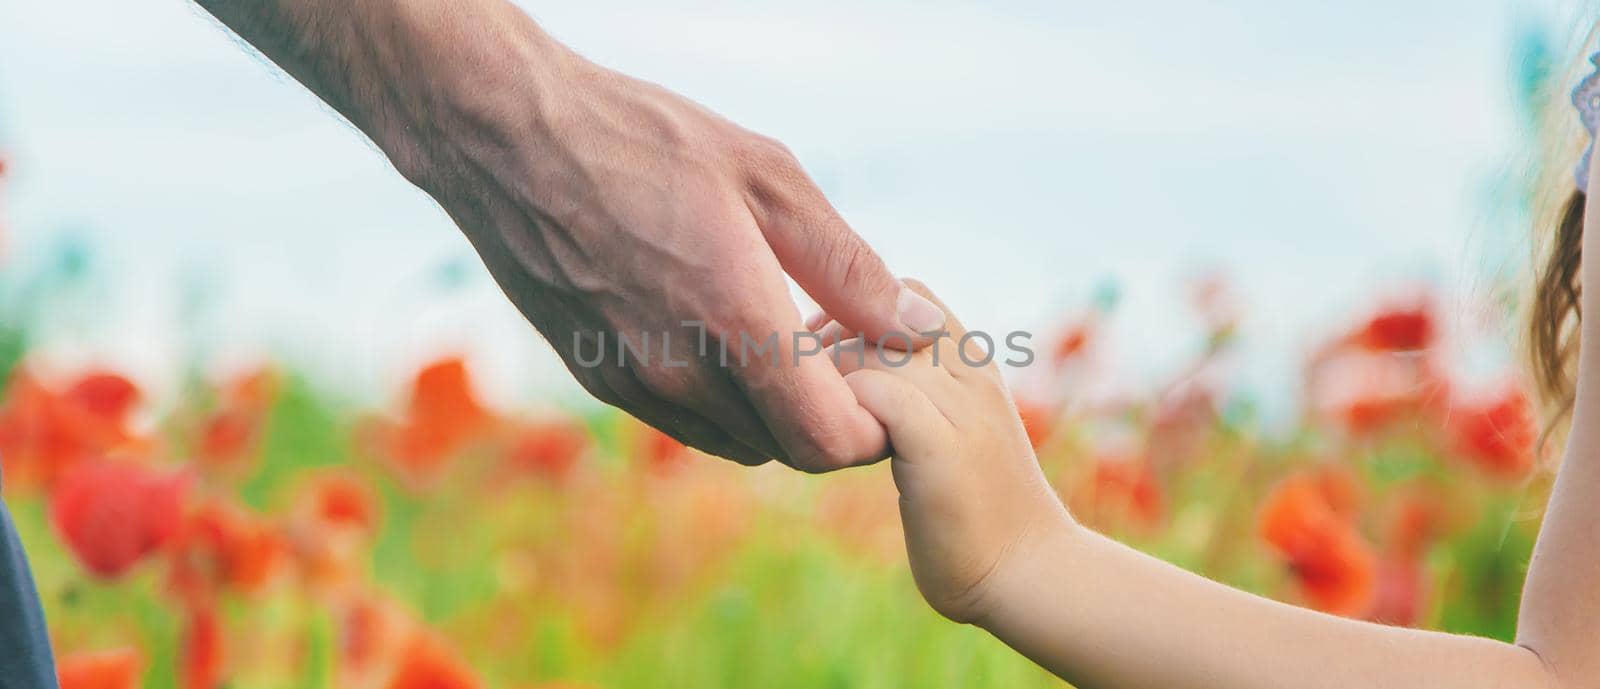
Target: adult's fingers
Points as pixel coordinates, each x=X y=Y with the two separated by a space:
x=623 y=389
x=808 y=407
x=827 y=258
x=707 y=391
x=920 y=288
x=620 y=387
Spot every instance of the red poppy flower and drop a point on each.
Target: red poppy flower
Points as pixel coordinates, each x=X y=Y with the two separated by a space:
x=549 y=449
x=1332 y=564
x=230 y=435
x=661 y=453
x=1496 y=434
x=368 y=627
x=343 y=500
x=1400 y=589
x=1038 y=420
x=334 y=519
x=204 y=648
x=253 y=390
x=1399 y=329
x=110 y=669
x=443 y=415
x=221 y=545
x=1369 y=393
x=1339 y=489
x=1415 y=521
x=1368 y=415
x=442 y=396
x=1072 y=343
x=1123 y=491
x=427 y=663
x=106 y=395
x=44 y=432
x=227 y=438
x=113 y=514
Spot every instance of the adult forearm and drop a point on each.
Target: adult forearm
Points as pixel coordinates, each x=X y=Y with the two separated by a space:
x=1104 y=616
x=426 y=80
x=605 y=206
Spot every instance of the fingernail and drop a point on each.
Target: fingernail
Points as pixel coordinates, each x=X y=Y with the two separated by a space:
x=917 y=314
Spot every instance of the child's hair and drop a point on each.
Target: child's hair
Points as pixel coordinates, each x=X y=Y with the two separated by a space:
x=1555 y=313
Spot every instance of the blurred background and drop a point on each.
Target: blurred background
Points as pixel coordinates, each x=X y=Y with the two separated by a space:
x=1271 y=252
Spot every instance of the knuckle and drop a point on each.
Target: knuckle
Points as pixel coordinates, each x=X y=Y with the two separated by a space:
x=850 y=259
x=738 y=325
x=766 y=153
x=774 y=174
x=854 y=263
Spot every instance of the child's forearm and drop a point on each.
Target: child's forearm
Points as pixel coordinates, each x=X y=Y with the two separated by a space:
x=1104 y=616
x=1560 y=615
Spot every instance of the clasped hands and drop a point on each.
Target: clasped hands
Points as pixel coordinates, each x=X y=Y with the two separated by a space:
x=626 y=210
x=608 y=207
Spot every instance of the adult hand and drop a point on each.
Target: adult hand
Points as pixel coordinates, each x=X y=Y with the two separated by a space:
x=607 y=206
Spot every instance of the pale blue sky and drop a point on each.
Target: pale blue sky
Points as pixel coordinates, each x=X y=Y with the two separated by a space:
x=1012 y=158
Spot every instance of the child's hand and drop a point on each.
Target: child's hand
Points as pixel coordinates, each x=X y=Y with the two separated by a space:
x=990 y=544
x=971 y=493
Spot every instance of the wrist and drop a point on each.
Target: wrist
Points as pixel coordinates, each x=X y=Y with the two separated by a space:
x=462 y=88
x=1020 y=576
x=434 y=83
x=1024 y=573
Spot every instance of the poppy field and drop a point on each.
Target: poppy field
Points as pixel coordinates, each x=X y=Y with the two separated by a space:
x=258 y=530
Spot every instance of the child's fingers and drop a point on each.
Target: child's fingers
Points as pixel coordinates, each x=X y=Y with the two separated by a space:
x=953 y=356
x=917 y=367
x=847 y=350
x=916 y=427
x=955 y=348
x=849 y=357
x=915 y=371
